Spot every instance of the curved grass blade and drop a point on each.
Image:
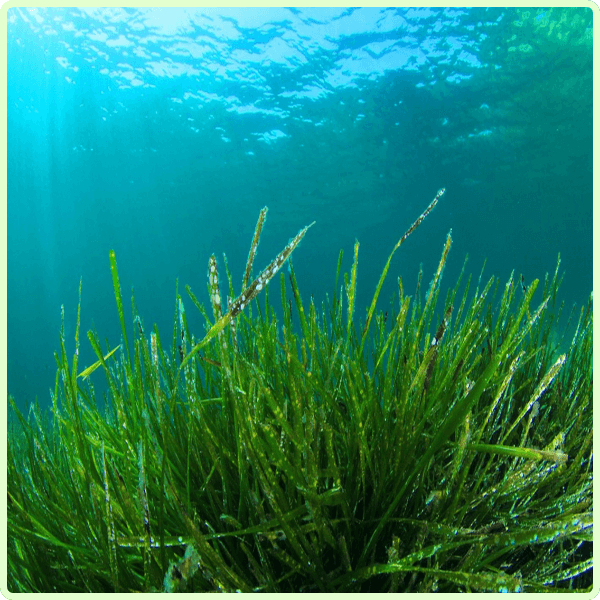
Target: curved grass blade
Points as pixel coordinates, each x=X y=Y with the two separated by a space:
x=389 y=260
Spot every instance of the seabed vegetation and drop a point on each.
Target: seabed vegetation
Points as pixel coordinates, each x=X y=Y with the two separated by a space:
x=438 y=445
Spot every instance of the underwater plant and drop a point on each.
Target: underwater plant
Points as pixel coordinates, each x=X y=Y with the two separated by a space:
x=425 y=449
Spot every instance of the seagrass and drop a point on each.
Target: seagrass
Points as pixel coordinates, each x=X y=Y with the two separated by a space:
x=438 y=445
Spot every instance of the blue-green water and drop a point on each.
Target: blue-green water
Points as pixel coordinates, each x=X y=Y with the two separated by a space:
x=160 y=133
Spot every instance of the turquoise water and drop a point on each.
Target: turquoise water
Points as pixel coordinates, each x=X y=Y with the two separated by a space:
x=161 y=133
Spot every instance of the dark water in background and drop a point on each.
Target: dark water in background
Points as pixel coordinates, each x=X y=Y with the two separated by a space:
x=161 y=133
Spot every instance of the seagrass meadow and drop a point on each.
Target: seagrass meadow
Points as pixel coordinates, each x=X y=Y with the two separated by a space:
x=442 y=443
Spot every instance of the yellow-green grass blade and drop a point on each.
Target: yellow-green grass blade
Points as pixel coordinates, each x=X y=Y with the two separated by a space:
x=119 y=300
x=102 y=362
x=527 y=453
